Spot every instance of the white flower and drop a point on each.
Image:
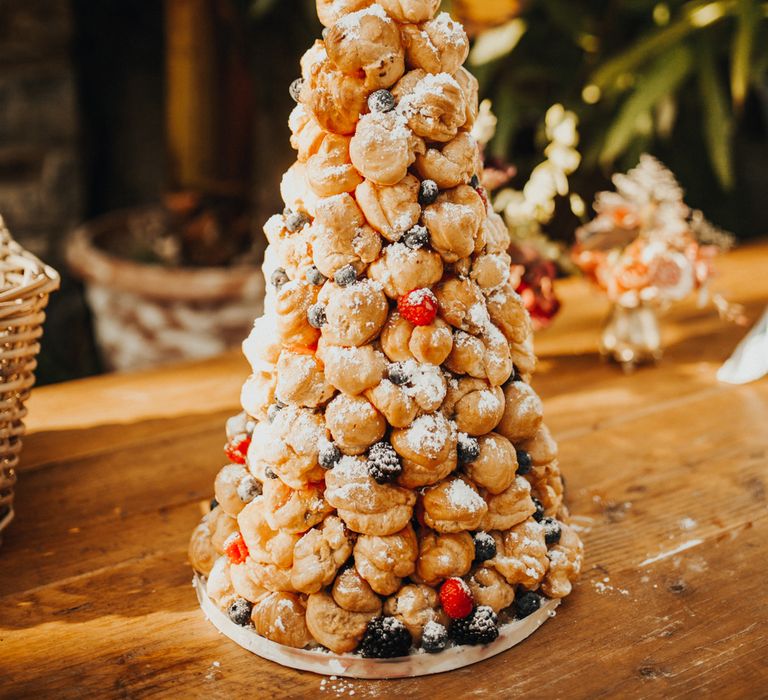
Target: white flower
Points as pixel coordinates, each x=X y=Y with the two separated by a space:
x=560 y=125
x=485 y=125
x=563 y=157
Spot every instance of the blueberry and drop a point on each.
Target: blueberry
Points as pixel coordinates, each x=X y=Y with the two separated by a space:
x=316 y=316
x=240 y=612
x=272 y=412
x=328 y=456
x=434 y=637
x=314 y=276
x=381 y=101
x=345 y=276
x=416 y=237
x=269 y=473
x=485 y=546
x=295 y=89
x=213 y=504
x=474 y=181
x=428 y=191
x=526 y=603
x=397 y=374
x=295 y=220
x=279 y=278
x=248 y=489
x=467 y=448
x=552 y=531
x=524 y=462
x=539 y=513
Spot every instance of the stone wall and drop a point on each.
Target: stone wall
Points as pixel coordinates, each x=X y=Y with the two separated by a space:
x=40 y=186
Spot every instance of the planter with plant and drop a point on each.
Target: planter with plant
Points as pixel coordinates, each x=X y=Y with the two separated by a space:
x=179 y=279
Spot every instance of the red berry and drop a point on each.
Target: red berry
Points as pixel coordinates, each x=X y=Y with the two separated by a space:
x=483 y=194
x=419 y=306
x=456 y=598
x=237 y=448
x=235 y=548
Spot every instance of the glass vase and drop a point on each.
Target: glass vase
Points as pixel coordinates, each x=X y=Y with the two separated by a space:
x=631 y=336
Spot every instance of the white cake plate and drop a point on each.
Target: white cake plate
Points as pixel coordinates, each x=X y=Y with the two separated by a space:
x=354 y=666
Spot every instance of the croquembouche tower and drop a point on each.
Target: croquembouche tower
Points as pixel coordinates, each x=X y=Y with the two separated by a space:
x=392 y=489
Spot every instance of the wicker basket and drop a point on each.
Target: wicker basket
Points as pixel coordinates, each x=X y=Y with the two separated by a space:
x=25 y=284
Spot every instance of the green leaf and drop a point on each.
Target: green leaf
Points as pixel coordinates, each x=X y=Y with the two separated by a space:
x=747 y=23
x=497 y=42
x=695 y=16
x=505 y=106
x=718 y=122
x=659 y=82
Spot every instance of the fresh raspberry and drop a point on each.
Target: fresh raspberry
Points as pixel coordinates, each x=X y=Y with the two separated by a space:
x=483 y=195
x=456 y=598
x=235 y=548
x=419 y=306
x=237 y=448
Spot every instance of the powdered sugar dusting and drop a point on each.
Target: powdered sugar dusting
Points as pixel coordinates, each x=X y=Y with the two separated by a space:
x=462 y=495
x=448 y=29
x=425 y=382
x=431 y=85
x=428 y=434
x=350 y=24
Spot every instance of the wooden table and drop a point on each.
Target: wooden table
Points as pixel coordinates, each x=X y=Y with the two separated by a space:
x=667 y=473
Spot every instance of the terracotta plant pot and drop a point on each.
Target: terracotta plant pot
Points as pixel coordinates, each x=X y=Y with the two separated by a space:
x=151 y=314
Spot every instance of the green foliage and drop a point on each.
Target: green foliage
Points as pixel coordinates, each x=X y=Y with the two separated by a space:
x=627 y=67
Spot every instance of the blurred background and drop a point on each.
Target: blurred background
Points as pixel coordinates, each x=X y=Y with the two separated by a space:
x=169 y=119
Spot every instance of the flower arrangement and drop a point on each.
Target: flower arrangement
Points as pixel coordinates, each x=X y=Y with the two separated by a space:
x=646 y=249
x=645 y=245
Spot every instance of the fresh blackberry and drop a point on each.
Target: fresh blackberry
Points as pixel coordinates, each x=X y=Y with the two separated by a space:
x=381 y=101
x=416 y=237
x=314 y=276
x=385 y=638
x=524 y=462
x=279 y=278
x=397 y=374
x=240 y=612
x=467 y=448
x=539 y=512
x=552 y=531
x=485 y=546
x=328 y=456
x=434 y=637
x=272 y=412
x=428 y=191
x=295 y=220
x=295 y=89
x=479 y=627
x=383 y=463
x=316 y=316
x=345 y=276
x=248 y=488
x=269 y=473
x=526 y=603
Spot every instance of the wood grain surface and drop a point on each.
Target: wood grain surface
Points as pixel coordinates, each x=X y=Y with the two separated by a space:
x=666 y=471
